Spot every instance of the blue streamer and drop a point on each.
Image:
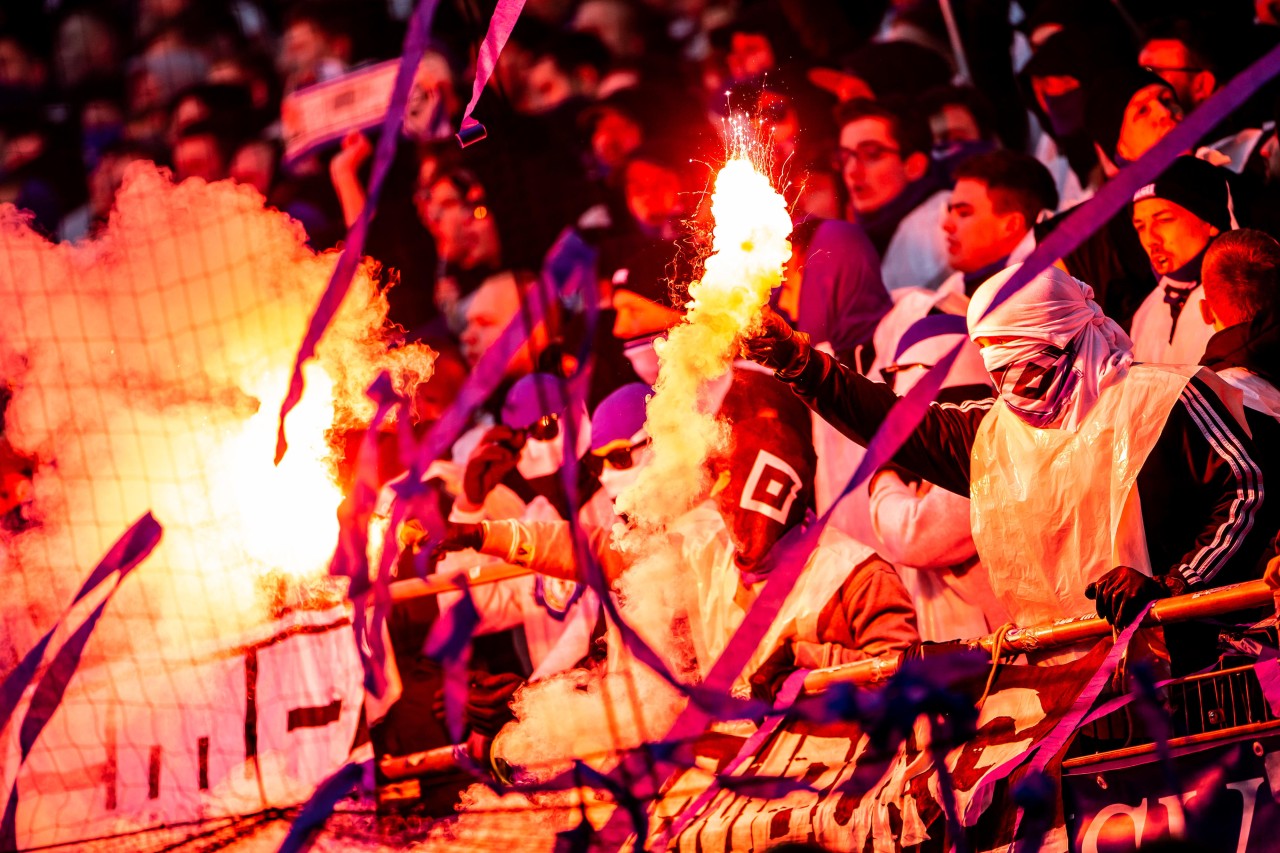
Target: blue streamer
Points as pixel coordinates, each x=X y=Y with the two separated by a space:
x=127 y=553
x=415 y=45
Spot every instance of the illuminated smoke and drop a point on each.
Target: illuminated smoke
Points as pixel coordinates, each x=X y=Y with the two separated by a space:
x=147 y=367
x=597 y=717
x=749 y=250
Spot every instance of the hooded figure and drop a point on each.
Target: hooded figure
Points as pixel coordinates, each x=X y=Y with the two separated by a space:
x=763 y=488
x=1127 y=111
x=1087 y=474
x=619 y=441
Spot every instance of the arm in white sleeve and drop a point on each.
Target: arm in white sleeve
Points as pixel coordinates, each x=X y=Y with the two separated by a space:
x=929 y=531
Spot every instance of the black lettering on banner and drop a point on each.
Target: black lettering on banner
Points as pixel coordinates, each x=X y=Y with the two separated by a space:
x=315 y=717
x=153 y=773
x=202 y=750
x=250 y=711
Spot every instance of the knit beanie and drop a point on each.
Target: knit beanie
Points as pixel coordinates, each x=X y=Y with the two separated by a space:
x=1198 y=186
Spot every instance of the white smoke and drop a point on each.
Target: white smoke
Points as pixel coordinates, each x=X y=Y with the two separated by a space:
x=147 y=368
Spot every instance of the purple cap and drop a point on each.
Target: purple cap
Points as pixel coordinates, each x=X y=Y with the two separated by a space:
x=533 y=397
x=620 y=415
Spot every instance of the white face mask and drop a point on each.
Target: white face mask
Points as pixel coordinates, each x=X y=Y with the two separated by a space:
x=615 y=481
x=644 y=361
x=541 y=458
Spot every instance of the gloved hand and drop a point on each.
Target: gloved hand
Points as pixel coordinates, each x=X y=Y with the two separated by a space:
x=776 y=345
x=1122 y=592
x=769 y=678
x=488 y=702
x=489 y=705
x=458 y=537
x=492 y=460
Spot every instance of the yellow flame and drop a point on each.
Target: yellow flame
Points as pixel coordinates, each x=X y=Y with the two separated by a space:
x=286 y=515
x=749 y=250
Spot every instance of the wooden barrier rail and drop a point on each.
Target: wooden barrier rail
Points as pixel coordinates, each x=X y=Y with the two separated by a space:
x=1196 y=605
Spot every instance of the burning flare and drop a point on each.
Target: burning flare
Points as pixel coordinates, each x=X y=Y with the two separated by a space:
x=749 y=250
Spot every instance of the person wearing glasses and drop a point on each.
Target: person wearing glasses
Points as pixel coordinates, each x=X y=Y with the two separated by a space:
x=895 y=191
x=847 y=605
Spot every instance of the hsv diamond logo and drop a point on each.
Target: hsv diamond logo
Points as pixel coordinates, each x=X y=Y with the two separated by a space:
x=771 y=487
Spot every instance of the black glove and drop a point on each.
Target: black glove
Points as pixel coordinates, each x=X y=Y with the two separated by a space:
x=489 y=705
x=1121 y=593
x=776 y=345
x=458 y=537
x=492 y=460
x=488 y=702
x=769 y=678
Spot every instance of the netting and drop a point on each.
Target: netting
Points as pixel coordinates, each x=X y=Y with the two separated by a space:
x=146 y=369
x=190 y=685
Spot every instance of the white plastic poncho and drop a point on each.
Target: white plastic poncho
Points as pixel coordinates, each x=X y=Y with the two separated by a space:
x=1055 y=508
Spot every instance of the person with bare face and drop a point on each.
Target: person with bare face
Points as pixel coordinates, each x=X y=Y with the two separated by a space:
x=1176 y=219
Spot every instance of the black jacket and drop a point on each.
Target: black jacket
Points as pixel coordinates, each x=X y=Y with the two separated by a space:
x=1200 y=488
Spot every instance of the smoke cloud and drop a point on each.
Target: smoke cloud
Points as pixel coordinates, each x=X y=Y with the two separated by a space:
x=749 y=250
x=147 y=366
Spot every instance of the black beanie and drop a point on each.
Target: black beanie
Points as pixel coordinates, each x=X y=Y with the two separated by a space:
x=1198 y=186
x=1108 y=96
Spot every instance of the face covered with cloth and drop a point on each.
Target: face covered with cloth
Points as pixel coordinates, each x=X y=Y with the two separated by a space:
x=1048 y=347
x=1051 y=352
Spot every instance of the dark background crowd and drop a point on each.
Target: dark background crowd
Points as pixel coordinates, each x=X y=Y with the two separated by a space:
x=922 y=147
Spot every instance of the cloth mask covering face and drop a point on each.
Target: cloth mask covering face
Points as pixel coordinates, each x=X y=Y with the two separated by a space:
x=541 y=458
x=1034 y=379
x=615 y=481
x=1066 y=112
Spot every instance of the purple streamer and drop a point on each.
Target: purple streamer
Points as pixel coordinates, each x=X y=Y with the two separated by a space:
x=316 y=811
x=128 y=552
x=1052 y=743
x=503 y=21
x=415 y=45
x=786 y=697
x=351 y=559
x=449 y=643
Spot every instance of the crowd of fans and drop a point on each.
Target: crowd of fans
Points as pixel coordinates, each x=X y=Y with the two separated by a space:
x=919 y=162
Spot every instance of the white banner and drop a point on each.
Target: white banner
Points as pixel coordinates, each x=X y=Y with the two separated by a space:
x=144 y=742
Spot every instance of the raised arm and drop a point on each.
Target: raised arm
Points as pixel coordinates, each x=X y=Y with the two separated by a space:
x=938 y=450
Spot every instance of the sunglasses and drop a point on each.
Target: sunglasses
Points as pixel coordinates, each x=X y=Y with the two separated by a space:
x=545 y=428
x=619 y=458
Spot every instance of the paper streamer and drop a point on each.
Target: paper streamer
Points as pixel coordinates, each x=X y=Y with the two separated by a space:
x=127 y=553
x=1039 y=755
x=449 y=643
x=786 y=697
x=317 y=809
x=503 y=21
x=415 y=45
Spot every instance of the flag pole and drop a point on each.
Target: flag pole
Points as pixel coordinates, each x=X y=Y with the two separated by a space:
x=1066 y=632
x=411 y=588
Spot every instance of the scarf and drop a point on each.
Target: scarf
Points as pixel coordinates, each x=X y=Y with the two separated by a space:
x=1050 y=350
x=881 y=224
